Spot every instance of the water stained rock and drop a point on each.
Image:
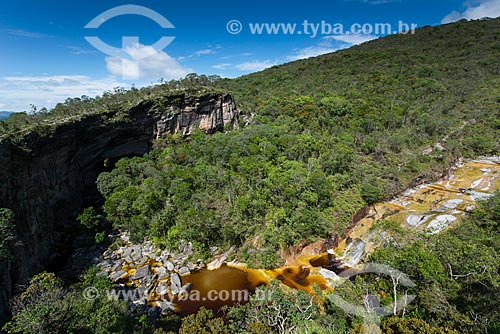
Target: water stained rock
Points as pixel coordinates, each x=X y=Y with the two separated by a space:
x=116 y=276
x=428 y=208
x=142 y=272
x=170 y=266
x=187 y=286
x=176 y=281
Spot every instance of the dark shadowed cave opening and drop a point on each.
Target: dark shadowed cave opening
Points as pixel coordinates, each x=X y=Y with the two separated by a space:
x=70 y=236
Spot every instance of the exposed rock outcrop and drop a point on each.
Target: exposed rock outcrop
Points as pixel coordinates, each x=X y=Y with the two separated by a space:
x=47 y=179
x=427 y=208
x=153 y=276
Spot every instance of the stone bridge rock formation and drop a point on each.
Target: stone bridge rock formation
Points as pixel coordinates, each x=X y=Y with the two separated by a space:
x=48 y=180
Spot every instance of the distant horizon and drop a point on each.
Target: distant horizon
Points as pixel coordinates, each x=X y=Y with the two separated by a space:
x=5 y=114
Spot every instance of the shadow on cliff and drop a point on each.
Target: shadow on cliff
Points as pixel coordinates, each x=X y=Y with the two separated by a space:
x=47 y=179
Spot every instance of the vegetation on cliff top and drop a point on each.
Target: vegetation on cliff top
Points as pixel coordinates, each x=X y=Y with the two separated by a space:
x=116 y=103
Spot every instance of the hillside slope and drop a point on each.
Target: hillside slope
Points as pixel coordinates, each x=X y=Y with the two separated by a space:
x=448 y=68
x=401 y=91
x=328 y=135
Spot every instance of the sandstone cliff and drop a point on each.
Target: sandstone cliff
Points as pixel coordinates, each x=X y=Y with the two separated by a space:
x=49 y=179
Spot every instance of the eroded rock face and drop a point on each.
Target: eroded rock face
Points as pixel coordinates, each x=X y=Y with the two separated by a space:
x=209 y=114
x=47 y=183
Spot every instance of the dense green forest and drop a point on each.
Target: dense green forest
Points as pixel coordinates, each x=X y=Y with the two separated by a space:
x=330 y=135
x=324 y=137
x=457 y=291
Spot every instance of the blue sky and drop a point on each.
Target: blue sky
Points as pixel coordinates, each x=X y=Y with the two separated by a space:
x=45 y=58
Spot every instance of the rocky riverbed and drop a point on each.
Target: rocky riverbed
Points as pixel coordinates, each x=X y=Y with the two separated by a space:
x=428 y=208
x=153 y=275
x=159 y=280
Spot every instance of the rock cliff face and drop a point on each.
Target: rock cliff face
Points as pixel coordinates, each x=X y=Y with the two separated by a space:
x=47 y=182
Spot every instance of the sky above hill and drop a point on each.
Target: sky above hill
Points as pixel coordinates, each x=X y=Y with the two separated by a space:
x=54 y=49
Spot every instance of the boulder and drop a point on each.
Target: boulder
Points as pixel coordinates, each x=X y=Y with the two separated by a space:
x=118 y=275
x=170 y=266
x=162 y=272
x=178 y=258
x=219 y=260
x=141 y=272
x=184 y=271
x=162 y=289
x=136 y=256
x=105 y=265
x=118 y=265
x=175 y=289
x=176 y=280
x=108 y=254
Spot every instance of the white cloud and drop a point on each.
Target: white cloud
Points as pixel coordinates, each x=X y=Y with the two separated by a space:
x=146 y=63
x=221 y=66
x=308 y=52
x=76 y=50
x=352 y=39
x=204 y=52
x=254 y=66
x=46 y=91
x=479 y=9
x=329 y=44
x=28 y=34
x=452 y=17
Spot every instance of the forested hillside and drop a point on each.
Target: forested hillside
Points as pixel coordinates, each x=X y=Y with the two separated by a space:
x=328 y=135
